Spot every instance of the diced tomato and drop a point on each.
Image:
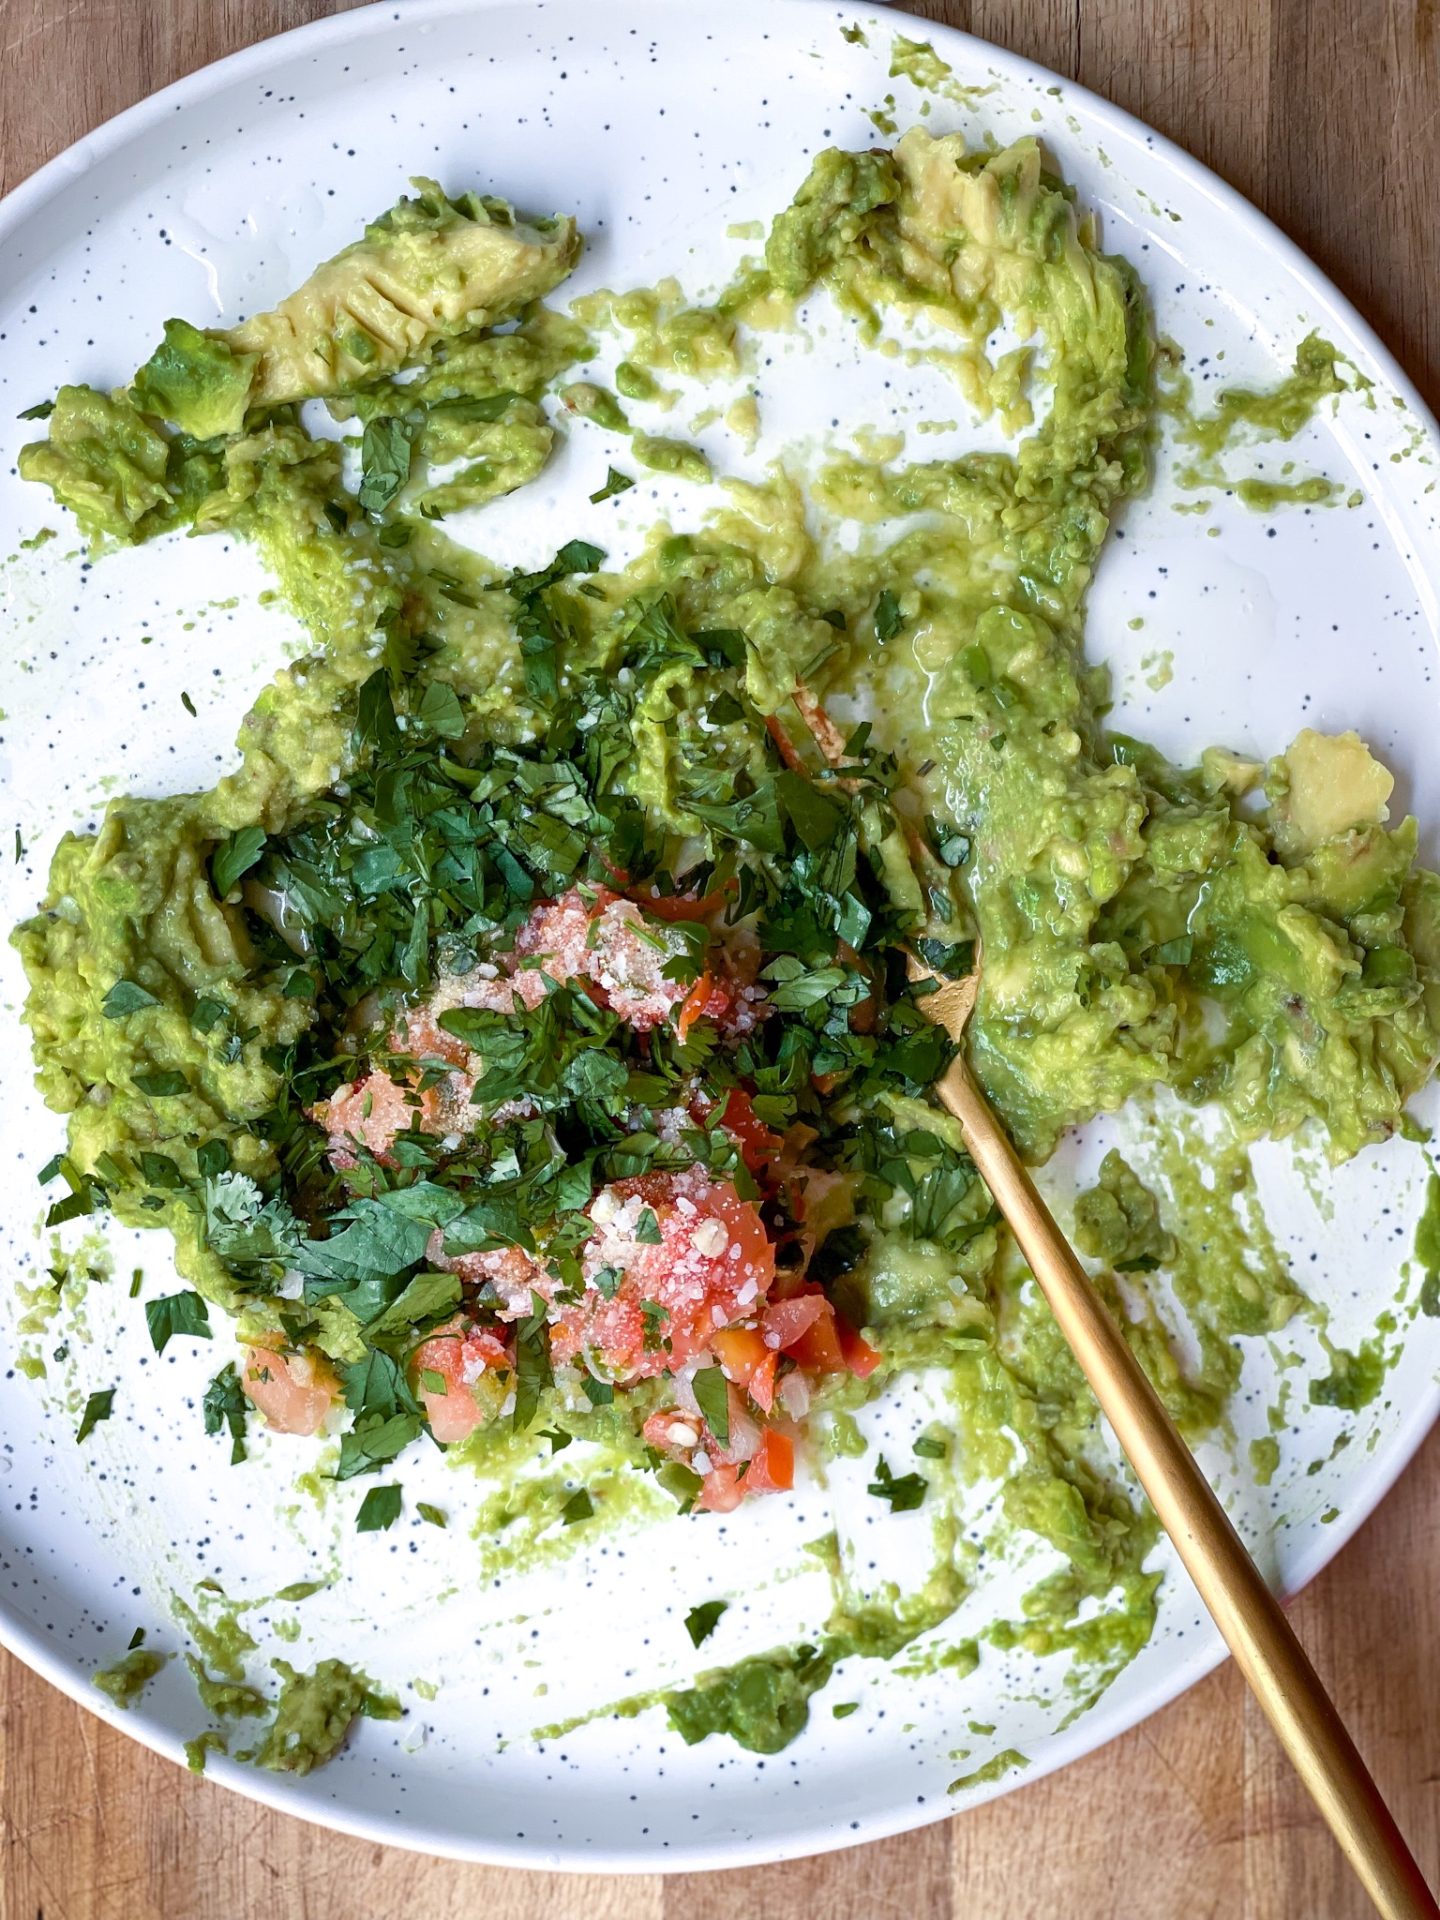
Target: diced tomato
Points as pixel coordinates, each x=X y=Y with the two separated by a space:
x=805 y=1328
x=818 y=1348
x=787 y=1321
x=709 y=999
x=790 y=1283
x=758 y=1143
x=600 y=938
x=367 y=1113
x=860 y=1357
x=657 y=1293
x=682 y=906
x=721 y=1491
x=294 y=1391
x=772 y=1469
x=747 y=1361
x=511 y=1274
x=477 y=1370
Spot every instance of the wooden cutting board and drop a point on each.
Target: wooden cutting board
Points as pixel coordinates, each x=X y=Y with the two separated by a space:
x=1327 y=113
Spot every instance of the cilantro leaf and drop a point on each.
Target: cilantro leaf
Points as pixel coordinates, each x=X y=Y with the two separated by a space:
x=378 y=1510
x=177 y=1313
x=126 y=998
x=373 y=1442
x=578 y=556
x=234 y=857
x=578 y=1507
x=904 y=1491
x=162 y=1086
x=615 y=482
x=225 y=1405
x=888 y=618
x=98 y=1407
x=532 y=1365
x=647 y=1229
x=712 y=1396
x=375 y=723
x=433 y=1515
x=440 y=710
x=702 y=1621
x=385 y=450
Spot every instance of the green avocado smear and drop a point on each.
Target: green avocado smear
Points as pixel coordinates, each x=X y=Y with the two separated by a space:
x=231 y=990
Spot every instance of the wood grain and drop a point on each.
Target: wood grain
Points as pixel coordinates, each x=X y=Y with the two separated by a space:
x=1327 y=113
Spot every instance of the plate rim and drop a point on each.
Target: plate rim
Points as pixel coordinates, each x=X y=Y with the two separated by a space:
x=26 y=1641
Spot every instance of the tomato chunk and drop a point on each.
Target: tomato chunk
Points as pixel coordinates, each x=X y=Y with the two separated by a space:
x=818 y=1348
x=476 y=1372
x=860 y=1357
x=294 y=1391
x=675 y=1257
x=772 y=1470
x=747 y=1361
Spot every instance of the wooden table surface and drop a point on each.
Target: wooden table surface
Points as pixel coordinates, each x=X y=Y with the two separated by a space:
x=1325 y=112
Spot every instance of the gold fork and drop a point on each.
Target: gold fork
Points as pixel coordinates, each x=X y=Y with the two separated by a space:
x=1249 y=1616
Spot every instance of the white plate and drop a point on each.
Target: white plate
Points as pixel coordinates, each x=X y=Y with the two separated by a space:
x=659 y=124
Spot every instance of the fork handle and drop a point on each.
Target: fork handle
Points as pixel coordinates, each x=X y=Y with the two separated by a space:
x=1245 y=1610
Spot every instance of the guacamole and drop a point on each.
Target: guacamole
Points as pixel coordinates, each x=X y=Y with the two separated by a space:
x=542 y=949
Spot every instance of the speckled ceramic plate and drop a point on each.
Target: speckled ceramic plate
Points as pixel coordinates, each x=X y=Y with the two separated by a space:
x=662 y=124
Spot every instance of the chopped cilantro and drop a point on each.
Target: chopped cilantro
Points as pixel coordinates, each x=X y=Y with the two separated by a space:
x=225 y=1405
x=888 y=618
x=904 y=1491
x=578 y=1507
x=702 y=1621
x=162 y=1086
x=615 y=482
x=713 y=1399
x=234 y=857
x=126 y=998
x=97 y=1408
x=385 y=450
x=177 y=1313
x=532 y=1364
x=378 y=1510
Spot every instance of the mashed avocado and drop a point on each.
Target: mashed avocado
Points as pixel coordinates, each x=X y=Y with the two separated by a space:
x=125 y=1681
x=1255 y=937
